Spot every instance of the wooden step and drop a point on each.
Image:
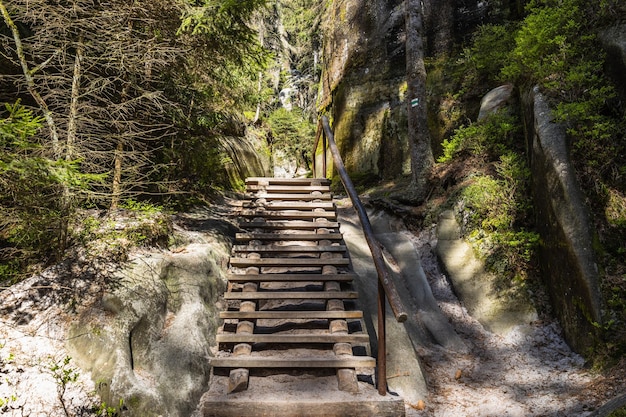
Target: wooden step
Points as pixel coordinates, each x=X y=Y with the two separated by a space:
x=289 y=248
x=290 y=277
x=293 y=197
x=293 y=224
x=245 y=262
x=296 y=362
x=293 y=315
x=288 y=189
x=291 y=205
x=287 y=236
x=289 y=214
x=309 y=338
x=291 y=295
x=287 y=181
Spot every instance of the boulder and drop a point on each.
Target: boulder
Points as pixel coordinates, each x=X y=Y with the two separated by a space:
x=146 y=344
x=494 y=100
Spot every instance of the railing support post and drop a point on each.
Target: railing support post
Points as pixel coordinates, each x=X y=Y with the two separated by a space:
x=386 y=288
x=381 y=361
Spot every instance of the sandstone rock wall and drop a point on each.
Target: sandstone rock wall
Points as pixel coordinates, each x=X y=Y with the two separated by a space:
x=364 y=75
x=567 y=259
x=147 y=343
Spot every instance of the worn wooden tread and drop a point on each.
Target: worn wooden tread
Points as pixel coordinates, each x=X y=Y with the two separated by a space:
x=291 y=205
x=295 y=189
x=289 y=277
x=291 y=295
x=293 y=315
x=289 y=214
x=287 y=224
x=287 y=181
x=245 y=262
x=292 y=338
x=289 y=248
x=288 y=236
x=296 y=362
x=293 y=197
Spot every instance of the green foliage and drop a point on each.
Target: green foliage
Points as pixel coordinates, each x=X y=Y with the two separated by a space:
x=18 y=127
x=488 y=53
x=141 y=206
x=301 y=19
x=104 y=410
x=5 y=401
x=292 y=133
x=490 y=137
x=618 y=413
x=225 y=60
x=33 y=193
x=556 y=47
x=495 y=207
x=63 y=373
x=29 y=183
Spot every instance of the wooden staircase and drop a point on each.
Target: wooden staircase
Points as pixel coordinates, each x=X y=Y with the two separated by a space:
x=290 y=302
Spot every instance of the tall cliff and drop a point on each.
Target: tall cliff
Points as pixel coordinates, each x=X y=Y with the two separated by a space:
x=364 y=72
x=363 y=90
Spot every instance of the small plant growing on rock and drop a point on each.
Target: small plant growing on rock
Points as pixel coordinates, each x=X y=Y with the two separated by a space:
x=63 y=374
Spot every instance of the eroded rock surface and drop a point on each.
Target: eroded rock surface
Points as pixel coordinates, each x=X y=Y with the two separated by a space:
x=567 y=258
x=147 y=342
x=498 y=311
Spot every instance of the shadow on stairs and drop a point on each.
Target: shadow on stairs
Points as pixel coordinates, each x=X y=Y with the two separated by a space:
x=293 y=342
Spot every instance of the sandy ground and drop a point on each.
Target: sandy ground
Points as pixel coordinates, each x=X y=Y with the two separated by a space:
x=529 y=372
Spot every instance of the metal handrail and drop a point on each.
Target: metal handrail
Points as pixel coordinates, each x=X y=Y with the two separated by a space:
x=386 y=287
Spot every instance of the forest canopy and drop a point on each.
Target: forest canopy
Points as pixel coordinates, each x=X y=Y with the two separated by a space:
x=112 y=102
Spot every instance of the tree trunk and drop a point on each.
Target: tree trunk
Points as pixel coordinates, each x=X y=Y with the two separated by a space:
x=72 y=128
x=72 y=119
x=419 y=138
x=116 y=191
x=30 y=81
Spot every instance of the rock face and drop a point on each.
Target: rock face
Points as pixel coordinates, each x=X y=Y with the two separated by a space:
x=363 y=84
x=364 y=75
x=248 y=156
x=475 y=287
x=567 y=257
x=147 y=342
x=614 y=42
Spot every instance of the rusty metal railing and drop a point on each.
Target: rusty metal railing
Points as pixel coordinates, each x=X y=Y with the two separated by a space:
x=386 y=287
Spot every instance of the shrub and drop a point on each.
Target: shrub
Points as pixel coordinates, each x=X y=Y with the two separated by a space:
x=490 y=138
x=498 y=209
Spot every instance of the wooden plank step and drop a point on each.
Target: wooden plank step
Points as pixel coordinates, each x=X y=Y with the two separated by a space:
x=293 y=315
x=288 y=236
x=289 y=277
x=288 y=248
x=245 y=262
x=291 y=189
x=292 y=338
x=291 y=205
x=291 y=295
x=294 y=224
x=293 y=197
x=297 y=362
x=287 y=181
x=289 y=214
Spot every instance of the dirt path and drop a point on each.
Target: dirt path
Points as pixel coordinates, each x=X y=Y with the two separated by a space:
x=527 y=373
